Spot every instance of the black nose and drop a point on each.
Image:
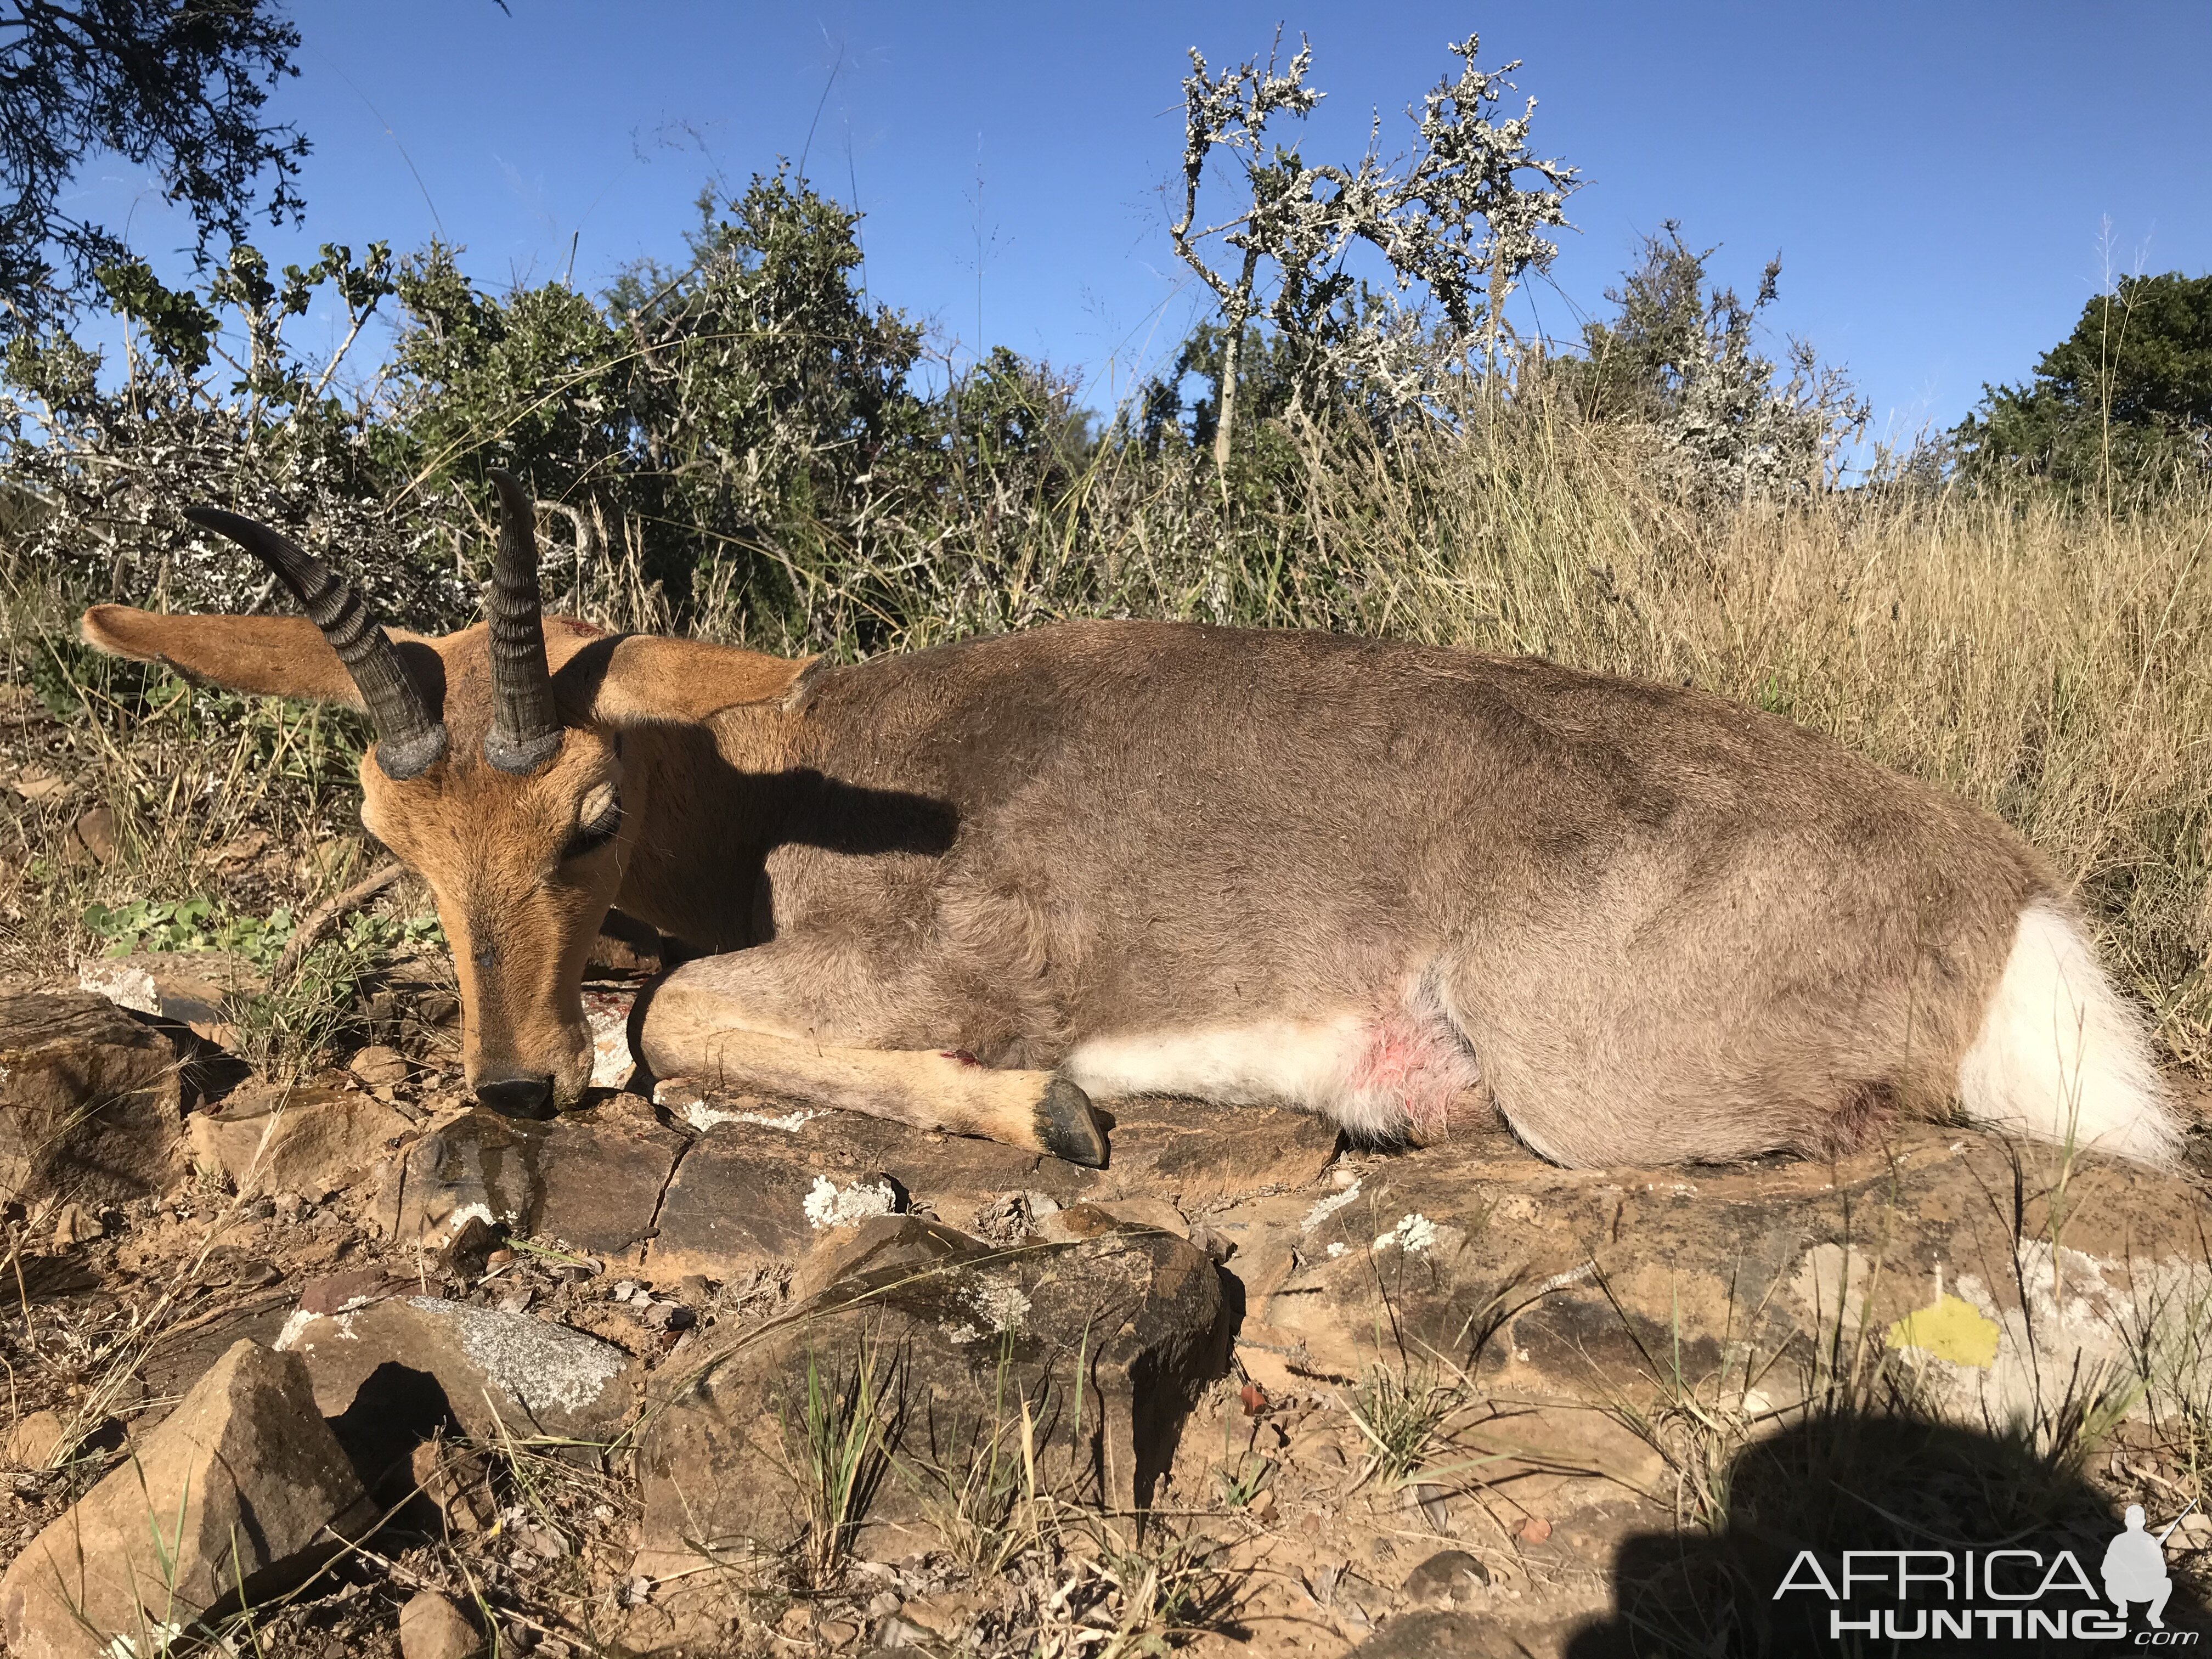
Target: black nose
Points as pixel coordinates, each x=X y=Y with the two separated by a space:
x=528 y=1096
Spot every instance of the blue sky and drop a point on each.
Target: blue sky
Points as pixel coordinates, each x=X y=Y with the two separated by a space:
x=1938 y=177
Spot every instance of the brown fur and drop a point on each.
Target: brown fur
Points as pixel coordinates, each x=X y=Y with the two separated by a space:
x=1665 y=926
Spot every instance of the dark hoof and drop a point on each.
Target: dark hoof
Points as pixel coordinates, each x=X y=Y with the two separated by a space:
x=1068 y=1128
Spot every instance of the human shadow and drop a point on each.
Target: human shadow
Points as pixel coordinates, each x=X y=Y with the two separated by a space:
x=1919 y=1505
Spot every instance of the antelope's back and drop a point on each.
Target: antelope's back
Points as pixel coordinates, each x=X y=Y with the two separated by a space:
x=1165 y=813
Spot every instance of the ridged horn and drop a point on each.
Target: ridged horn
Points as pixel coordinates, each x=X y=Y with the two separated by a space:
x=408 y=738
x=526 y=728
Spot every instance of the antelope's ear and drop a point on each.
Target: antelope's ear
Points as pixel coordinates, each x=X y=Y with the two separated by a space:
x=273 y=656
x=641 y=679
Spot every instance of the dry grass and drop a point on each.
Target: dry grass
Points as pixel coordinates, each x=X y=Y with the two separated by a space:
x=2045 y=659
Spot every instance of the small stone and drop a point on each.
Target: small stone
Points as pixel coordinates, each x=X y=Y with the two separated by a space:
x=1430 y=1501
x=665 y=1315
x=93 y=835
x=1445 y=1576
x=623 y=1289
x=437 y=1007
x=431 y=1626
x=1536 y=1529
x=468 y=1257
x=1262 y=1505
x=378 y=1064
x=457 y=1481
x=31 y=1444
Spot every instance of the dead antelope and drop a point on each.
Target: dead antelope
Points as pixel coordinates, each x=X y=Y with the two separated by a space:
x=973 y=887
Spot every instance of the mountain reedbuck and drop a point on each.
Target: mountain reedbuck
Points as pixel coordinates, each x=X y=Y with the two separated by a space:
x=973 y=887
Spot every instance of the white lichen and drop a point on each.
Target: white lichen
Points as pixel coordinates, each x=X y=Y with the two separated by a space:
x=703 y=1117
x=295 y=1328
x=828 y=1206
x=534 y=1361
x=1325 y=1207
x=1000 y=1301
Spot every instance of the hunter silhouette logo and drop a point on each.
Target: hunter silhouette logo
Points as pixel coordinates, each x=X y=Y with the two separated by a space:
x=2135 y=1566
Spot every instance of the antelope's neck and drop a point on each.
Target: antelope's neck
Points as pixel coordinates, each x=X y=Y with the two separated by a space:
x=711 y=799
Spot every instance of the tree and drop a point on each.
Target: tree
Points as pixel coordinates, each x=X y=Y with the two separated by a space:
x=1457 y=220
x=708 y=406
x=1678 y=361
x=2127 y=395
x=176 y=84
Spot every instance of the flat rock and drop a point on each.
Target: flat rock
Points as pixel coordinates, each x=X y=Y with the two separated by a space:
x=380 y=1064
x=591 y=1179
x=234 y=1487
x=881 y=1242
x=196 y=989
x=1197 y=1157
x=1967 y=1257
x=740 y=1200
x=89 y=1108
x=1090 y=1219
x=270 y=1138
x=1107 y=1341
x=501 y=1373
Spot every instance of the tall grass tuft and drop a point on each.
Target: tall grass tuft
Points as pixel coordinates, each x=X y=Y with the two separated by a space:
x=2045 y=659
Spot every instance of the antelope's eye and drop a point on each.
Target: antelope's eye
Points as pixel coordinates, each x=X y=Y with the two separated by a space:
x=599 y=827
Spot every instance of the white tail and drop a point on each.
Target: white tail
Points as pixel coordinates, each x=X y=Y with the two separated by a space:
x=2060 y=1056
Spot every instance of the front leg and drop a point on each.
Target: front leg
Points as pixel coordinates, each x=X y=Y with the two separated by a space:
x=718 y=1022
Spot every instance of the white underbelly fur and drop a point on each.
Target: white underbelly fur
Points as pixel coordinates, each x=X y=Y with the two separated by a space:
x=1377 y=1074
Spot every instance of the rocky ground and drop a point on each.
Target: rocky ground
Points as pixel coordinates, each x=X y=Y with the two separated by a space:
x=351 y=1367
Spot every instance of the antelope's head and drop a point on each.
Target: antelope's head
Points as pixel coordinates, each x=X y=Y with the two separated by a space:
x=497 y=773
